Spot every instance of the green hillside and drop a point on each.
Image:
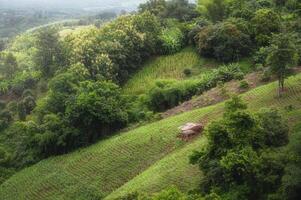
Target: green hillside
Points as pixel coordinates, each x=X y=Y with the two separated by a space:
x=91 y=109
x=171 y=68
x=141 y=158
x=168 y=67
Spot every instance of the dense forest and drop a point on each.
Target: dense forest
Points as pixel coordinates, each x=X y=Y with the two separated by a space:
x=61 y=91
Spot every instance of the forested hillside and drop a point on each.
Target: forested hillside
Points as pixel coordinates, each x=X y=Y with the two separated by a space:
x=82 y=108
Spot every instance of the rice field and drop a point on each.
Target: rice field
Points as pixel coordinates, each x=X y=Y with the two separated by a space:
x=147 y=159
x=167 y=67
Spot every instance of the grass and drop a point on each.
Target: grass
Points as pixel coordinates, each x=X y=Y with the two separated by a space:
x=172 y=67
x=167 y=67
x=148 y=158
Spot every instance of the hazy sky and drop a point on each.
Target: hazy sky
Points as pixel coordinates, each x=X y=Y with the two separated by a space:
x=69 y=3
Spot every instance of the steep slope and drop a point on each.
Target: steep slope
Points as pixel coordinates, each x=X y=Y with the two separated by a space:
x=175 y=169
x=148 y=158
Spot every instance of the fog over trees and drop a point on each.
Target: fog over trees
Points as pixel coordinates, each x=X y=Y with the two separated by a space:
x=130 y=4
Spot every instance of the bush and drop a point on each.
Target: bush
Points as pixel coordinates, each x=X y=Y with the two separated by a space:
x=172 y=40
x=261 y=55
x=2 y=105
x=187 y=72
x=5 y=119
x=243 y=84
x=27 y=93
x=199 y=25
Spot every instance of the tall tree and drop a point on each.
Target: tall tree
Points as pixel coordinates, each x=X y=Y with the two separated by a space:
x=282 y=55
x=49 y=51
x=8 y=65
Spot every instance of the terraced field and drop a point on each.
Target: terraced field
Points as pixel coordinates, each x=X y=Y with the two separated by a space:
x=148 y=158
x=168 y=67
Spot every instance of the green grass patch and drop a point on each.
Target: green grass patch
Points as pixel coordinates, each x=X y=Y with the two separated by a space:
x=168 y=67
x=148 y=158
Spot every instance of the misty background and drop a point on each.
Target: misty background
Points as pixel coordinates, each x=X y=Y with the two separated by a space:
x=71 y=4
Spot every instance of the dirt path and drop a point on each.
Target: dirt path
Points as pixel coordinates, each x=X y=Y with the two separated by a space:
x=216 y=95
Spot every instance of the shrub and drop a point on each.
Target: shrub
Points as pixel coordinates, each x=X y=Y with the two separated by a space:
x=5 y=119
x=27 y=93
x=261 y=56
x=29 y=104
x=172 y=40
x=187 y=72
x=12 y=106
x=2 y=104
x=243 y=84
x=199 y=25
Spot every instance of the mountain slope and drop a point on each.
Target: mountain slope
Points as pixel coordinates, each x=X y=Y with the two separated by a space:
x=168 y=67
x=148 y=158
x=175 y=169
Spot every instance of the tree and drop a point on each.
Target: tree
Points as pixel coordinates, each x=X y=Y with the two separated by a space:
x=240 y=160
x=49 y=53
x=265 y=22
x=97 y=109
x=2 y=44
x=216 y=10
x=156 y=7
x=225 y=41
x=282 y=55
x=5 y=118
x=181 y=10
x=178 y=9
x=9 y=64
x=56 y=136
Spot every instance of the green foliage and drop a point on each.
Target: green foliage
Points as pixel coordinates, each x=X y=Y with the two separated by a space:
x=170 y=193
x=261 y=55
x=49 y=53
x=151 y=156
x=169 y=94
x=23 y=81
x=172 y=40
x=282 y=55
x=56 y=136
x=187 y=72
x=291 y=181
x=5 y=118
x=97 y=109
x=216 y=10
x=239 y=161
x=224 y=41
x=265 y=22
x=8 y=64
x=246 y=9
x=177 y=9
x=166 y=67
x=117 y=49
x=275 y=129
x=243 y=85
